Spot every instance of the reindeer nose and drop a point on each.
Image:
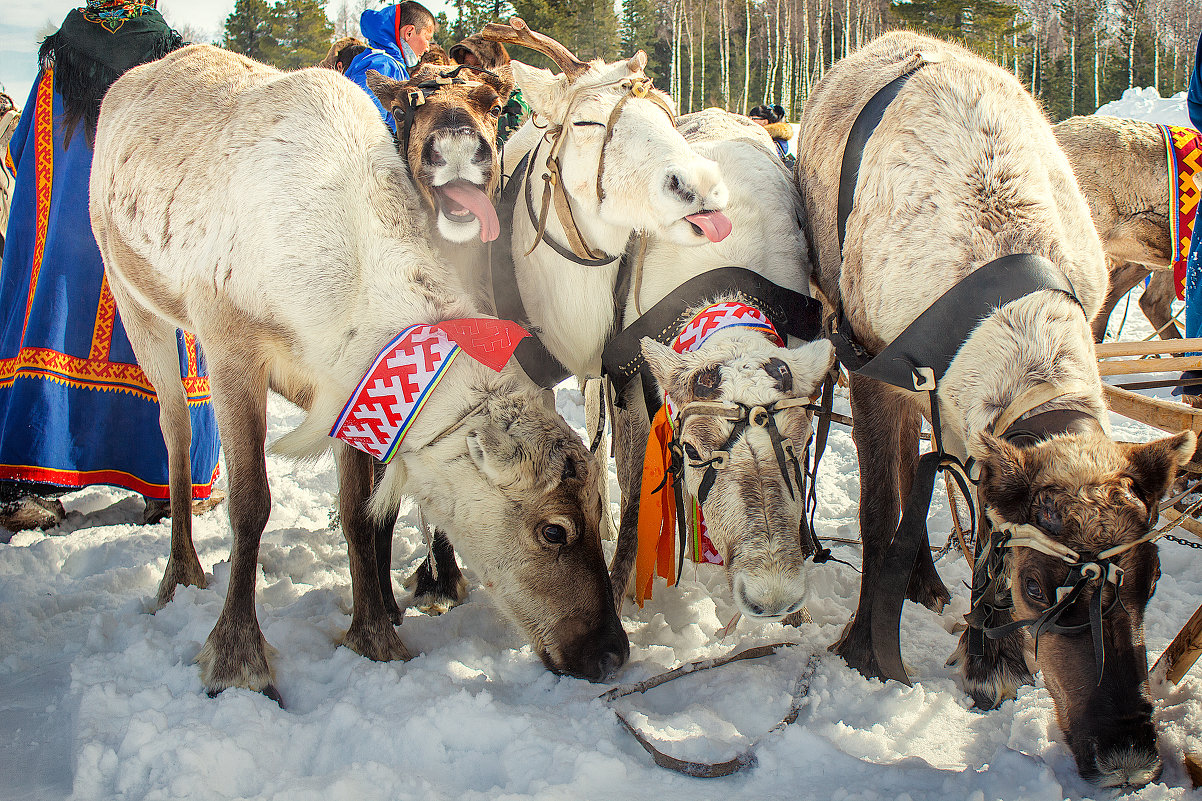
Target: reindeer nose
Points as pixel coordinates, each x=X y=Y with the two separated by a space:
x=766 y=599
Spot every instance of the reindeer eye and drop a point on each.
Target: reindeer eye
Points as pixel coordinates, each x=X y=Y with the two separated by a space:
x=555 y=534
x=779 y=371
x=1047 y=516
x=691 y=452
x=495 y=111
x=1034 y=591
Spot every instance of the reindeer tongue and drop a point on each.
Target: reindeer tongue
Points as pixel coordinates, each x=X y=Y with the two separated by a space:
x=714 y=224
x=472 y=199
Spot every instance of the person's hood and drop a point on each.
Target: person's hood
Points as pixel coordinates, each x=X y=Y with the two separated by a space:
x=379 y=28
x=780 y=130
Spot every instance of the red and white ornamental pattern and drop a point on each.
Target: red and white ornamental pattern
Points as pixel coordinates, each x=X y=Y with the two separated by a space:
x=705 y=324
x=383 y=407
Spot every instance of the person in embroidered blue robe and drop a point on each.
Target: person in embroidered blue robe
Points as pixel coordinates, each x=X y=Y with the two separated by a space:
x=75 y=409
x=397 y=35
x=1192 y=393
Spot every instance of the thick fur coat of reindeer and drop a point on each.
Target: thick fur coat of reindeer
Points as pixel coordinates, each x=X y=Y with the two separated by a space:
x=271 y=214
x=963 y=169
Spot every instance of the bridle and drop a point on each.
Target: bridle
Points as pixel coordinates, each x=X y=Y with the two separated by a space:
x=417 y=94
x=553 y=184
x=1084 y=570
x=794 y=470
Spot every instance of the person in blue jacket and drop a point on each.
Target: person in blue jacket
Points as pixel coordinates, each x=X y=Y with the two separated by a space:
x=398 y=35
x=1192 y=394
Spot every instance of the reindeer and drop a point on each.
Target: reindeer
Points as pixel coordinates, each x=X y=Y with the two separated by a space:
x=1120 y=166
x=269 y=213
x=962 y=172
x=628 y=171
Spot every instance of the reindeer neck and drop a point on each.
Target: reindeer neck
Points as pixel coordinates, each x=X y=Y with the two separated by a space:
x=1030 y=342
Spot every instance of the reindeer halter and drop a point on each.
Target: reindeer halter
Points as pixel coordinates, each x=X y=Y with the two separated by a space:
x=640 y=87
x=416 y=96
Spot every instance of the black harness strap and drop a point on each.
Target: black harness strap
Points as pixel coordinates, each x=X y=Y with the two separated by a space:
x=542 y=368
x=853 y=151
x=935 y=337
x=791 y=313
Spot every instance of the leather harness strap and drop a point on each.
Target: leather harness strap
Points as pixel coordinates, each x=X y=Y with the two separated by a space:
x=920 y=355
x=791 y=313
x=543 y=369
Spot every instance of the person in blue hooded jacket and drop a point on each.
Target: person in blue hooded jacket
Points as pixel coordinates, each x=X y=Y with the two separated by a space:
x=1192 y=394
x=398 y=36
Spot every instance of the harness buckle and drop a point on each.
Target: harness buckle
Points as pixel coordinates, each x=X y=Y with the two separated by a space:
x=639 y=89
x=758 y=417
x=924 y=379
x=416 y=97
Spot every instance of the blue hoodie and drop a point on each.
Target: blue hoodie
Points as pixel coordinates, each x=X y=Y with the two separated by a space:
x=390 y=58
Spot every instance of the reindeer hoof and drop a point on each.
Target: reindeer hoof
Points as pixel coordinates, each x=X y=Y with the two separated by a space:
x=799 y=618
x=379 y=643
x=30 y=512
x=996 y=675
x=855 y=646
x=435 y=596
x=928 y=589
x=236 y=656
x=186 y=573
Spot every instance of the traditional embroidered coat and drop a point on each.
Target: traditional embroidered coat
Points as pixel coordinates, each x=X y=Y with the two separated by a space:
x=75 y=409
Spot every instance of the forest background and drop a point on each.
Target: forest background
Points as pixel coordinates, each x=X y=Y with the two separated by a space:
x=1074 y=55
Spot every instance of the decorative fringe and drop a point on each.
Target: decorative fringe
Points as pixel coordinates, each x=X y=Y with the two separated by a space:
x=82 y=80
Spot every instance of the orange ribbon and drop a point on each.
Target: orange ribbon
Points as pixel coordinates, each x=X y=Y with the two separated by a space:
x=657 y=512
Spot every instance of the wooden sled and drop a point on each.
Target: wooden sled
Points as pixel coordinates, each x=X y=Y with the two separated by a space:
x=1145 y=358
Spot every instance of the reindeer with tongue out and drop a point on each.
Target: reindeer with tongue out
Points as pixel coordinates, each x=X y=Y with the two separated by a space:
x=603 y=164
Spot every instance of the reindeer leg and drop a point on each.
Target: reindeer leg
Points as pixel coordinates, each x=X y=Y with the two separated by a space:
x=996 y=674
x=925 y=586
x=382 y=531
x=1157 y=303
x=880 y=415
x=235 y=654
x=154 y=343
x=630 y=431
x=371 y=633
x=1123 y=276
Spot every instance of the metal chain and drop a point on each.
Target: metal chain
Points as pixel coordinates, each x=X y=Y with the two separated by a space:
x=1188 y=543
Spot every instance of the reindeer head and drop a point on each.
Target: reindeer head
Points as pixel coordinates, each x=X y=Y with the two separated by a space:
x=522 y=504
x=451 y=144
x=1097 y=498
x=624 y=164
x=757 y=524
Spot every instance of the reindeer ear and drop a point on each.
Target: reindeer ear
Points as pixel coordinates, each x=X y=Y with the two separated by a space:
x=807 y=365
x=495 y=452
x=1005 y=480
x=637 y=62
x=505 y=85
x=668 y=367
x=385 y=89
x=1154 y=465
x=542 y=90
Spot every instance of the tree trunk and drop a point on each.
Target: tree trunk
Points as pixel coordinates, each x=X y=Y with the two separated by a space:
x=746 y=53
x=1131 y=50
x=688 y=27
x=1097 y=94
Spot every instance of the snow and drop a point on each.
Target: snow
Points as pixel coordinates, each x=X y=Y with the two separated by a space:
x=1147 y=104
x=101 y=700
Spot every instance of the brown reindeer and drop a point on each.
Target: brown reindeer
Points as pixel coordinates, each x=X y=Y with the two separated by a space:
x=1120 y=166
x=269 y=213
x=962 y=175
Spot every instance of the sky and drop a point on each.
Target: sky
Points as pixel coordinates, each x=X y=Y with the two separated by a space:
x=24 y=23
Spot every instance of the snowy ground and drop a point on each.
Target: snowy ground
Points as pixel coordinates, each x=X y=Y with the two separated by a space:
x=101 y=700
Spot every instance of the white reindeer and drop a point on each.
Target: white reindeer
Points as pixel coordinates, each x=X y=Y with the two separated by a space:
x=627 y=169
x=270 y=214
x=961 y=171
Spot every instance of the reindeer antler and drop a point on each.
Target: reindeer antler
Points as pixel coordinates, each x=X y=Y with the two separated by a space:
x=517 y=32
